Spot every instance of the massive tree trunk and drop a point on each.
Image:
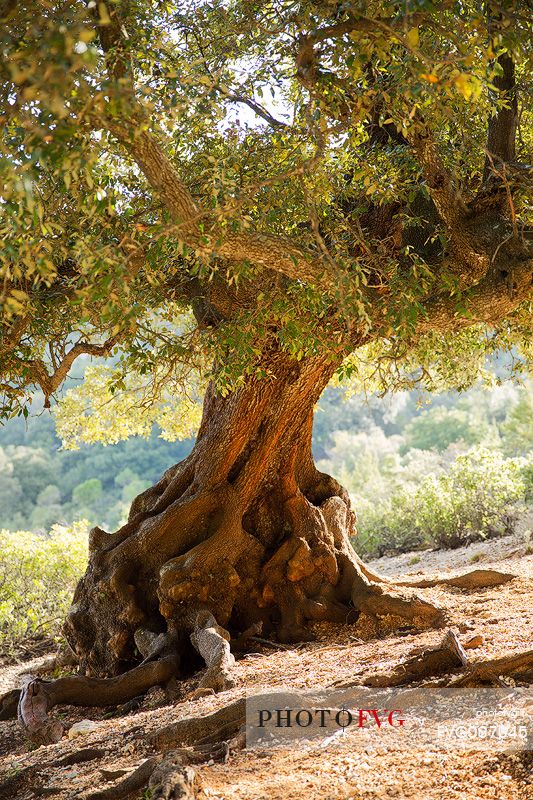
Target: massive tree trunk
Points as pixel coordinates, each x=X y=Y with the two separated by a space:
x=245 y=530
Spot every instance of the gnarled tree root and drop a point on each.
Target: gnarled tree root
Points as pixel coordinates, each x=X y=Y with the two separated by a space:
x=212 y=642
x=476 y=579
x=447 y=657
x=196 y=730
x=169 y=774
x=379 y=604
x=38 y=697
x=173 y=780
x=134 y=782
x=518 y=666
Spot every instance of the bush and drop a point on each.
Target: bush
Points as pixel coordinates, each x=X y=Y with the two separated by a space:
x=38 y=575
x=440 y=427
x=476 y=499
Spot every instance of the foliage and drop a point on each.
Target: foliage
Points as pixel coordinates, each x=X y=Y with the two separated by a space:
x=518 y=428
x=40 y=482
x=439 y=427
x=108 y=408
x=476 y=499
x=196 y=184
x=38 y=575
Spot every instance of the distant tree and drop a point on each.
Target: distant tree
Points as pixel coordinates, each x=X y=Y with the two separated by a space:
x=371 y=224
x=125 y=477
x=88 y=493
x=437 y=428
x=50 y=495
x=517 y=430
x=48 y=509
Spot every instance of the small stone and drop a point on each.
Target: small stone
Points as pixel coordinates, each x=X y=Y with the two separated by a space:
x=113 y=774
x=475 y=641
x=82 y=728
x=464 y=627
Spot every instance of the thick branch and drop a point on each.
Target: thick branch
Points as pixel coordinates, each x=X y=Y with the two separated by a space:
x=146 y=148
x=503 y=124
x=50 y=382
x=493 y=298
x=443 y=189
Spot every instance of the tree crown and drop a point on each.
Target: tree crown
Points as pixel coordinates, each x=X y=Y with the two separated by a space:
x=194 y=184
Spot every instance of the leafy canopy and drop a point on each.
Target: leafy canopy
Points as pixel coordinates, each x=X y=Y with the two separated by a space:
x=194 y=184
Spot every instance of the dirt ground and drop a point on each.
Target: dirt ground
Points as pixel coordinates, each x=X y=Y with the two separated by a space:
x=502 y=616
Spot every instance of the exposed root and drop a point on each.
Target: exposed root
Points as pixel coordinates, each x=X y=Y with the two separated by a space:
x=212 y=642
x=476 y=579
x=447 y=657
x=33 y=715
x=134 y=782
x=79 y=757
x=172 y=780
x=168 y=774
x=194 y=730
x=519 y=667
x=38 y=697
x=384 y=607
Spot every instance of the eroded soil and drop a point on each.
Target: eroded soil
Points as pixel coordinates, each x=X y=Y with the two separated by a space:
x=502 y=616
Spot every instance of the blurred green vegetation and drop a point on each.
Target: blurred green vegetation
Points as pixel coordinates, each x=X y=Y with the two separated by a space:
x=38 y=575
x=440 y=476
x=395 y=455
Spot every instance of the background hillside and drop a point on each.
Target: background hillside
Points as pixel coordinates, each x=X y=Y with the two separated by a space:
x=394 y=455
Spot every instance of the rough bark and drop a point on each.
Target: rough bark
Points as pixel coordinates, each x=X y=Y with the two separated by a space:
x=245 y=531
x=38 y=697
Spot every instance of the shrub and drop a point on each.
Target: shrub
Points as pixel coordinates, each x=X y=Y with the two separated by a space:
x=476 y=499
x=38 y=575
x=440 y=427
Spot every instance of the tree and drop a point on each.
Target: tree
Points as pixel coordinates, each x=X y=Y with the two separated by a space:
x=516 y=430
x=370 y=223
x=439 y=427
x=87 y=493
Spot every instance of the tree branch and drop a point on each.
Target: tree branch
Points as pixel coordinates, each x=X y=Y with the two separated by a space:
x=263 y=249
x=503 y=124
x=257 y=109
x=492 y=299
x=50 y=382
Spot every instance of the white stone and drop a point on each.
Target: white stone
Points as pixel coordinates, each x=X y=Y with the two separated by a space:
x=82 y=728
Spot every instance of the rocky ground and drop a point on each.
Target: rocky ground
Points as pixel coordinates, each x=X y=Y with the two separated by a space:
x=501 y=618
